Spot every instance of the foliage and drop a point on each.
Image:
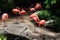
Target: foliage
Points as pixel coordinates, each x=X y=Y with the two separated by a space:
x=2 y=37
x=53 y=2
x=56 y=23
x=11 y=2
x=52 y=6
x=8 y=4
x=44 y=14
x=48 y=3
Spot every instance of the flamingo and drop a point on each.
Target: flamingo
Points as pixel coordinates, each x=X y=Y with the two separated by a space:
x=32 y=9
x=22 y=12
x=15 y=11
x=34 y=17
x=37 y=6
x=4 y=19
x=41 y=23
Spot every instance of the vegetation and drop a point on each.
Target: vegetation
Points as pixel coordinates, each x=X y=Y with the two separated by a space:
x=2 y=37
x=44 y=15
x=47 y=14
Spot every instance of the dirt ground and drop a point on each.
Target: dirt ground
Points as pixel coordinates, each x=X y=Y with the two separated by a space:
x=12 y=20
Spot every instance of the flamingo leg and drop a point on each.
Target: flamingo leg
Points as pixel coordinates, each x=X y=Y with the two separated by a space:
x=16 y=22
x=22 y=18
x=34 y=29
x=3 y=24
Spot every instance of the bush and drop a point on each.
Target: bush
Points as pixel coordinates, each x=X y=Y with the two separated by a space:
x=44 y=15
x=2 y=37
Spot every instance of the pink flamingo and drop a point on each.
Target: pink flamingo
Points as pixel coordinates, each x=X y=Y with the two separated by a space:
x=35 y=18
x=4 y=19
x=32 y=9
x=15 y=11
x=22 y=12
x=41 y=23
x=37 y=6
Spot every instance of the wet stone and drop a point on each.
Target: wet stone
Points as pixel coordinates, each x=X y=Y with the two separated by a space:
x=15 y=29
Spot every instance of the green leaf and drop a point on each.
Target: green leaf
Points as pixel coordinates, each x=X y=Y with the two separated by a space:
x=44 y=15
x=46 y=2
x=47 y=7
x=0 y=39
x=5 y=38
x=10 y=1
x=53 y=2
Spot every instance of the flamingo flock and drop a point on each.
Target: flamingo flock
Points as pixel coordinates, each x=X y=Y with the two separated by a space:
x=22 y=12
x=34 y=16
x=19 y=11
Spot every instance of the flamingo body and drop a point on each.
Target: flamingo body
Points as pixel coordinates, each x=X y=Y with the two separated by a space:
x=4 y=17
